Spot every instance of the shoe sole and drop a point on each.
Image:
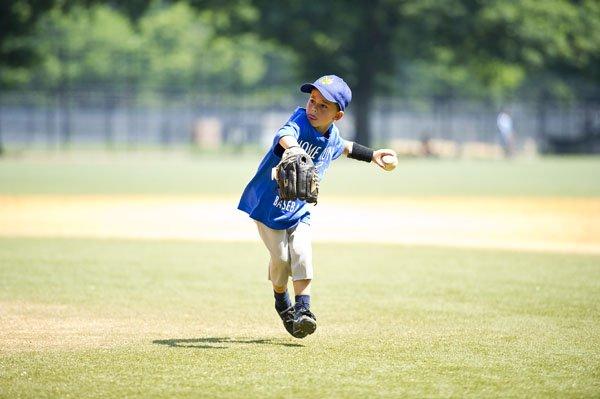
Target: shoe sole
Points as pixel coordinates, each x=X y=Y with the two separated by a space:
x=305 y=326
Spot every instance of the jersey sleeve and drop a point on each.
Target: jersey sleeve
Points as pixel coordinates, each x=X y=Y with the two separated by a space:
x=291 y=127
x=338 y=147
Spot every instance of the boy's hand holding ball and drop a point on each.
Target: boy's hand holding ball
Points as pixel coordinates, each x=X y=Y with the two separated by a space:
x=390 y=162
x=386 y=159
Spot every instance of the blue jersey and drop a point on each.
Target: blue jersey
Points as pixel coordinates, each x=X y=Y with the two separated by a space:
x=260 y=199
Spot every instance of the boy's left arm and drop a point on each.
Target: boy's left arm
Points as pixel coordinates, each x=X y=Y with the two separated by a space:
x=376 y=157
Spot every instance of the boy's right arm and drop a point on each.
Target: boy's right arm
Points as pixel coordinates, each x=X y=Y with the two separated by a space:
x=288 y=141
x=291 y=145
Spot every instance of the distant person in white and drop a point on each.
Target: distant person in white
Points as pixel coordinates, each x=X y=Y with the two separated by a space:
x=507 y=135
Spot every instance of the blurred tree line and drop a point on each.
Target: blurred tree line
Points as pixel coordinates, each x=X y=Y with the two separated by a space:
x=492 y=50
x=170 y=47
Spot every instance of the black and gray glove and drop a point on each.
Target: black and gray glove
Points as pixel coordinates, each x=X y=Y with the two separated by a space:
x=297 y=176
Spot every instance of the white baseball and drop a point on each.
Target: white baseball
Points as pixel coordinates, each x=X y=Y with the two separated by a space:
x=389 y=162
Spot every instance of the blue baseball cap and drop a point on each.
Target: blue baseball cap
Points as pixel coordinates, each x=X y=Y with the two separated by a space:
x=333 y=88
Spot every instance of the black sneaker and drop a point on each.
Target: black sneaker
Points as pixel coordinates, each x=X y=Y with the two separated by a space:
x=305 y=323
x=287 y=316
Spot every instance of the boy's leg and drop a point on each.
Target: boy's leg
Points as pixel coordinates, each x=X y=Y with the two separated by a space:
x=302 y=287
x=276 y=242
x=300 y=245
x=300 y=249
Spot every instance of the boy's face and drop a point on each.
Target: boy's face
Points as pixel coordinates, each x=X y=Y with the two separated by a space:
x=321 y=112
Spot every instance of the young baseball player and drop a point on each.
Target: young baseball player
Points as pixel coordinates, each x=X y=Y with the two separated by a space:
x=284 y=225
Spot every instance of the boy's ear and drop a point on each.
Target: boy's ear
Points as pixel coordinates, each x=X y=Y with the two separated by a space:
x=339 y=115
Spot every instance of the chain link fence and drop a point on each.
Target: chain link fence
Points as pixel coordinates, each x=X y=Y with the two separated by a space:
x=61 y=120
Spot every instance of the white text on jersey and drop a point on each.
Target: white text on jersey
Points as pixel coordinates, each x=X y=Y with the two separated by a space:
x=288 y=206
x=311 y=150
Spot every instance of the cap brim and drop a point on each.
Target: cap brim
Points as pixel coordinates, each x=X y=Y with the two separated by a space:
x=308 y=87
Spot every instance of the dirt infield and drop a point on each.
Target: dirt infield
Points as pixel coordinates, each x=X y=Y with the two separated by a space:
x=546 y=224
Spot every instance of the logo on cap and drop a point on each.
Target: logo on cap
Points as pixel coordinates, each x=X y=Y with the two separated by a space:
x=327 y=80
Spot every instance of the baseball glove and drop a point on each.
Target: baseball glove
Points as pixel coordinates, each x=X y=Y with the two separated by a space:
x=297 y=176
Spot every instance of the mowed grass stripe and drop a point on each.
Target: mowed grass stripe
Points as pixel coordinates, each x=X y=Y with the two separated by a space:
x=195 y=319
x=228 y=174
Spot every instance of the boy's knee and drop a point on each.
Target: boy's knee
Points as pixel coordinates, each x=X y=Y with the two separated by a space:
x=280 y=289
x=280 y=262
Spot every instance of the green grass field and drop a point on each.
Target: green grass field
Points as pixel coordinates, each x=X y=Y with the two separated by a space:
x=227 y=175
x=119 y=318
x=196 y=320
